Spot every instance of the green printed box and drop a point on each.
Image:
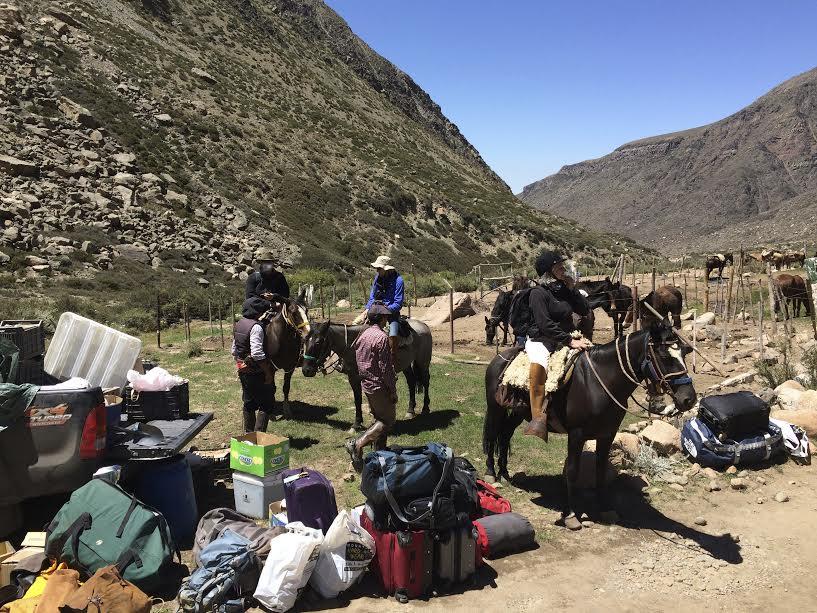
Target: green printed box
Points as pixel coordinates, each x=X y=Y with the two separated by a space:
x=259 y=453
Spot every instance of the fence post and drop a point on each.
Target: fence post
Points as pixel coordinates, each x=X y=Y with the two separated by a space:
x=320 y=295
x=760 y=323
x=729 y=291
x=694 y=340
x=706 y=297
x=450 y=311
x=414 y=284
x=158 y=321
x=351 y=302
x=770 y=283
x=220 y=319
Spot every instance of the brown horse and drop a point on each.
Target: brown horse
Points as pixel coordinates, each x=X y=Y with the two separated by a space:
x=667 y=300
x=792 y=288
x=718 y=262
x=501 y=312
x=283 y=340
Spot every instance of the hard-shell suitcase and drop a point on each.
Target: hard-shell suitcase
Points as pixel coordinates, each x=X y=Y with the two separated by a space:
x=456 y=556
x=403 y=561
x=310 y=498
x=503 y=534
x=734 y=416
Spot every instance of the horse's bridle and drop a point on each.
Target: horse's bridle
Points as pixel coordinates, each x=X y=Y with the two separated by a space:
x=320 y=360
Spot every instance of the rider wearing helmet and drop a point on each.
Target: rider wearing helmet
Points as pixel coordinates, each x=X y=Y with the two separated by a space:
x=388 y=290
x=552 y=304
x=267 y=281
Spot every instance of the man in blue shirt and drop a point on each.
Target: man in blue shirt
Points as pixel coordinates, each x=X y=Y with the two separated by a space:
x=388 y=290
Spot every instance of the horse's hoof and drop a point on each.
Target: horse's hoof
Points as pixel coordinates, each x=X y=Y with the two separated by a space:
x=572 y=522
x=426 y=411
x=409 y=415
x=608 y=517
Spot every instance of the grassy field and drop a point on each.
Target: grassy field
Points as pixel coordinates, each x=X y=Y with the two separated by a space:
x=324 y=409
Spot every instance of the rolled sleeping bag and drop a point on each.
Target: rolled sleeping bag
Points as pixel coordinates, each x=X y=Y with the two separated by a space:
x=504 y=534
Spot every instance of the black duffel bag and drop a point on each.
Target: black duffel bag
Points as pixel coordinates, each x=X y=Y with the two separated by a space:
x=734 y=416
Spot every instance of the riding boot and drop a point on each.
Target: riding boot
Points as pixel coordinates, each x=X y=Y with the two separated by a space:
x=355 y=446
x=380 y=443
x=249 y=421
x=538 y=425
x=262 y=420
x=394 y=342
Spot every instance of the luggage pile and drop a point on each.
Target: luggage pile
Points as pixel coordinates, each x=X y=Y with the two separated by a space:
x=732 y=429
x=432 y=520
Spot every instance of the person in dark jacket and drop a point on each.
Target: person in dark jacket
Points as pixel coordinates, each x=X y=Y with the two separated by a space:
x=255 y=373
x=267 y=281
x=552 y=305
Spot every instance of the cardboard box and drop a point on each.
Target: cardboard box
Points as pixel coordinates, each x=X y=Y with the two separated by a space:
x=8 y=564
x=34 y=539
x=259 y=453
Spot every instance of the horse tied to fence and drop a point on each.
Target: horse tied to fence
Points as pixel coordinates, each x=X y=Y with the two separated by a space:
x=501 y=311
x=413 y=359
x=591 y=405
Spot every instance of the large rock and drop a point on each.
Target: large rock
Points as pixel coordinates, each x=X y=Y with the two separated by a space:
x=807 y=401
x=203 y=75
x=788 y=394
x=4 y=259
x=33 y=260
x=343 y=304
x=705 y=319
x=18 y=168
x=663 y=437
x=627 y=444
x=805 y=418
x=78 y=113
x=439 y=312
x=137 y=253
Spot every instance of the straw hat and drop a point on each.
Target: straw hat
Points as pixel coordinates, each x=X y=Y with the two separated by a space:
x=265 y=254
x=383 y=262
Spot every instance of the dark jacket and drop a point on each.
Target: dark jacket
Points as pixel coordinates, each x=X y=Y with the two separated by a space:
x=241 y=342
x=552 y=307
x=257 y=285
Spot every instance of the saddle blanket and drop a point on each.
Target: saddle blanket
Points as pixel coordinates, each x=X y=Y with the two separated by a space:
x=559 y=370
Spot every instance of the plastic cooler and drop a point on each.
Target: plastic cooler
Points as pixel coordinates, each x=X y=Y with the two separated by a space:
x=84 y=348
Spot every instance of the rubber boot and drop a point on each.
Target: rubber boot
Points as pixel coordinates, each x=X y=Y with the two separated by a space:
x=249 y=421
x=355 y=446
x=538 y=425
x=261 y=421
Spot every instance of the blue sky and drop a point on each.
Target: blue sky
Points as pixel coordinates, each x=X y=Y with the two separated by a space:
x=535 y=85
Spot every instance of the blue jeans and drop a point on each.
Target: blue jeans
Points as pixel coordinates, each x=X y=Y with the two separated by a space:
x=394 y=327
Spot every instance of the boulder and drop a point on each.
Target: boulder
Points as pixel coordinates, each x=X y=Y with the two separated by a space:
x=788 y=394
x=137 y=253
x=343 y=304
x=18 y=168
x=705 y=319
x=240 y=221
x=807 y=401
x=439 y=312
x=175 y=198
x=203 y=75
x=4 y=259
x=33 y=260
x=663 y=437
x=626 y=446
x=805 y=418
x=124 y=159
x=203 y=282
x=163 y=119
x=77 y=112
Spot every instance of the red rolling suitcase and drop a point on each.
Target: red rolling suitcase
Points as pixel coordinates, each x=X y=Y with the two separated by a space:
x=403 y=561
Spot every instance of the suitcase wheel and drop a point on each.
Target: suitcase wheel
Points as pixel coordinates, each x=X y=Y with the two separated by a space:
x=401 y=596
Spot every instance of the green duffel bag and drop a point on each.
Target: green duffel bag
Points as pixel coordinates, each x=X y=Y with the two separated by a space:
x=102 y=524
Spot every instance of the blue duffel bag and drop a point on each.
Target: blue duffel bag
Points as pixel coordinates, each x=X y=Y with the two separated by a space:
x=700 y=445
x=405 y=473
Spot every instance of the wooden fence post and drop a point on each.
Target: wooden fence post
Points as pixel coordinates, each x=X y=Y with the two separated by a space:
x=351 y=302
x=760 y=323
x=729 y=291
x=694 y=339
x=773 y=315
x=414 y=284
x=686 y=299
x=706 y=297
x=158 y=322
x=320 y=294
x=220 y=320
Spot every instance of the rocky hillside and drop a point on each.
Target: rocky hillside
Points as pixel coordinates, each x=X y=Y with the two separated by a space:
x=184 y=135
x=748 y=179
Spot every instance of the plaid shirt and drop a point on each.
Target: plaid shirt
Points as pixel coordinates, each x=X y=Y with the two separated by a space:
x=374 y=363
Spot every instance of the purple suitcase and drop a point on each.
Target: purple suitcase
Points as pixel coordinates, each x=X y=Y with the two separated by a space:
x=310 y=498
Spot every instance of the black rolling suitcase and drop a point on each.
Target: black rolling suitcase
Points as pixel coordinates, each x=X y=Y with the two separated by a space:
x=735 y=416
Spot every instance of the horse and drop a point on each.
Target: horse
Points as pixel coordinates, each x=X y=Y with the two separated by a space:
x=413 y=360
x=593 y=402
x=792 y=288
x=718 y=262
x=283 y=339
x=667 y=300
x=501 y=311
x=617 y=302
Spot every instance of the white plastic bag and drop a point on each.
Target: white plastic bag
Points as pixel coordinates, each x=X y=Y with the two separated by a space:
x=346 y=552
x=155 y=380
x=288 y=567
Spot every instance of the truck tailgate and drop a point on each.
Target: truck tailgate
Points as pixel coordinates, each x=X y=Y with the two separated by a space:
x=177 y=433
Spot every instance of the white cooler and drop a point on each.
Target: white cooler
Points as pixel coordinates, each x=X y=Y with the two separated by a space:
x=253 y=495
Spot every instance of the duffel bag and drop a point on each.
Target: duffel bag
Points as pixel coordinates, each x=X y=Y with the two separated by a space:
x=701 y=445
x=490 y=501
x=734 y=416
x=405 y=473
x=213 y=524
x=504 y=534
x=102 y=524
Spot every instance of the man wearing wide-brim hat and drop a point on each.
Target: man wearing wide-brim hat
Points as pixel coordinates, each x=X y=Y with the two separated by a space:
x=267 y=281
x=388 y=289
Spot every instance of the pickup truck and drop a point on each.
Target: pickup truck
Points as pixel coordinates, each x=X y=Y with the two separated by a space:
x=63 y=439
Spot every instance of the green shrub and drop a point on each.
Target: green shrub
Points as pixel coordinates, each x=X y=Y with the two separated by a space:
x=775 y=374
x=431 y=285
x=310 y=276
x=194 y=349
x=464 y=283
x=136 y=320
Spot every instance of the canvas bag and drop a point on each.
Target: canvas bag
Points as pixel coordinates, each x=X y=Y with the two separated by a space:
x=344 y=555
x=289 y=567
x=107 y=592
x=215 y=522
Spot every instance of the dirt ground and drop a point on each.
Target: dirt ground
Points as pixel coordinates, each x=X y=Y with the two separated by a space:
x=674 y=549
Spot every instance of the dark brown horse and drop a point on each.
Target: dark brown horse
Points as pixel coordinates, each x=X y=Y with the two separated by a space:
x=591 y=405
x=792 y=288
x=617 y=302
x=501 y=311
x=283 y=339
x=667 y=300
x=715 y=262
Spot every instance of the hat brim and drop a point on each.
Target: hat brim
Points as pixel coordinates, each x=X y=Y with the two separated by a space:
x=384 y=267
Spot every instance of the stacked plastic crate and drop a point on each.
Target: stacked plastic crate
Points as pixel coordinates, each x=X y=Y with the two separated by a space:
x=29 y=337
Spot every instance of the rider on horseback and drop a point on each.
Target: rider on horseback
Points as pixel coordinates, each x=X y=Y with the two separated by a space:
x=267 y=283
x=388 y=290
x=552 y=305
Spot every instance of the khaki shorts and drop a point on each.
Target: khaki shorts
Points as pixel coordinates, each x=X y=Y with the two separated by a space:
x=381 y=407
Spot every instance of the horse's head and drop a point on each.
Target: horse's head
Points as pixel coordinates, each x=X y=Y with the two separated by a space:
x=296 y=316
x=665 y=367
x=316 y=350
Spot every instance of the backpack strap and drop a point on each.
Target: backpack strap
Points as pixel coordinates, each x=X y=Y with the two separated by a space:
x=73 y=532
x=128 y=557
x=126 y=518
x=396 y=507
